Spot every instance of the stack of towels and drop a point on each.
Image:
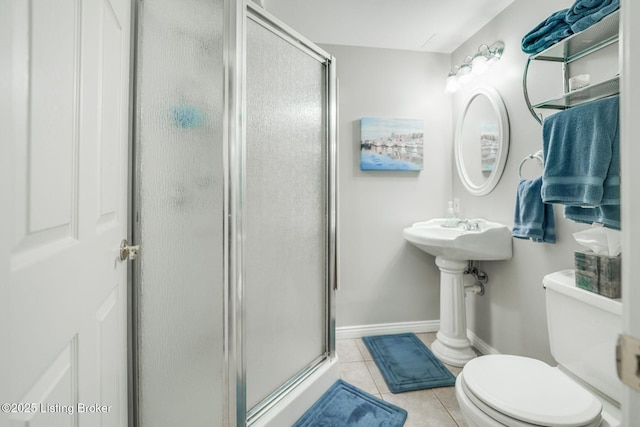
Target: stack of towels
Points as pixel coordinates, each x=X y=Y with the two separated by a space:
x=581 y=148
x=563 y=23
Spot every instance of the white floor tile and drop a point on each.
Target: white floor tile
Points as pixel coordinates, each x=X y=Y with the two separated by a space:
x=348 y=351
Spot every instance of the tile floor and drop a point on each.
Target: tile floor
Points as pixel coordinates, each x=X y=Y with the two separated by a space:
x=436 y=407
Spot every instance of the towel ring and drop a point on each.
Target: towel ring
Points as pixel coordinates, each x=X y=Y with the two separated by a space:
x=535 y=156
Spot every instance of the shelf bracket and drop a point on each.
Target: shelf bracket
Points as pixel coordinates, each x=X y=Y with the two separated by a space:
x=525 y=91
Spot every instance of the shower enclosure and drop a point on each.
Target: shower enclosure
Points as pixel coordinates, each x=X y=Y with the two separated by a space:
x=234 y=188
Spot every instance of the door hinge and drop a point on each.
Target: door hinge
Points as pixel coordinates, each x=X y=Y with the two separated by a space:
x=628 y=361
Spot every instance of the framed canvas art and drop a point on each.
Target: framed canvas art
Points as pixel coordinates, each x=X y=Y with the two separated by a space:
x=391 y=144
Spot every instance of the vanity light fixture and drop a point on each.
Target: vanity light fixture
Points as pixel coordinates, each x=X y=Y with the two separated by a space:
x=474 y=65
x=465 y=72
x=480 y=61
x=452 y=84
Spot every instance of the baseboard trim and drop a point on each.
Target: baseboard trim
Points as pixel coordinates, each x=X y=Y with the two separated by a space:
x=480 y=345
x=351 y=332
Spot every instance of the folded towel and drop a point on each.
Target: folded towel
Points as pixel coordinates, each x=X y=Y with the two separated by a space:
x=546 y=33
x=608 y=215
x=581 y=152
x=533 y=219
x=585 y=13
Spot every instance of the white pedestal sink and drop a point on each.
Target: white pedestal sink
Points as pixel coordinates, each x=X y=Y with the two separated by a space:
x=453 y=247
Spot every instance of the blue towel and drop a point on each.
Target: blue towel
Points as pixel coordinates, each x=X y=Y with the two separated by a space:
x=533 y=218
x=608 y=215
x=547 y=33
x=585 y=13
x=581 y=152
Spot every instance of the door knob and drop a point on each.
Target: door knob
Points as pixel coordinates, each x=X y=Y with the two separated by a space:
x=127 y=251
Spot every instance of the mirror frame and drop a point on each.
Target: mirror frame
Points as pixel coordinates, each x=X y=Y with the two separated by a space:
x=500 y=112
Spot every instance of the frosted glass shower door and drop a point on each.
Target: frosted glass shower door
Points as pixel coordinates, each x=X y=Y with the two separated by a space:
x=179 y=284
x=286 y=212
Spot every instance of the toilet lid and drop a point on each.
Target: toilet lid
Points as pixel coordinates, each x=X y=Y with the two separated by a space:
x=530 y=390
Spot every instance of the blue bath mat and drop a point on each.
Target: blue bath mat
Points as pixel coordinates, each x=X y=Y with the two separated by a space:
x=407 y=364
x=344 y=405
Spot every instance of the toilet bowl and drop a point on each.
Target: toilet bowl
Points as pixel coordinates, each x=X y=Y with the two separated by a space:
x=582 y=391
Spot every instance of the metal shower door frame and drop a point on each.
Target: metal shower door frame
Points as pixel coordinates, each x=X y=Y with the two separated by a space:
x=237 y=13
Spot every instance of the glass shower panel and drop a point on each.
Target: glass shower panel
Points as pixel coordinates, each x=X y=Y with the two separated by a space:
x=285 y=224
x=179 y=214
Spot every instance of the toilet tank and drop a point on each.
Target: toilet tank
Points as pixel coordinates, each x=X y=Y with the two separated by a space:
x=583 y=331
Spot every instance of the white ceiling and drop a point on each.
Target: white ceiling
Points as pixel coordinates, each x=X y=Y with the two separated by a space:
x=420 y=25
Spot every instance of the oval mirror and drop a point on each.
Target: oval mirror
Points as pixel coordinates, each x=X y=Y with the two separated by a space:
x=482 y=140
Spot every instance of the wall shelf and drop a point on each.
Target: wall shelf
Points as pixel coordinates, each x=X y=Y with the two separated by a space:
x=581 y=96
x=577 y=46
x=585 y=42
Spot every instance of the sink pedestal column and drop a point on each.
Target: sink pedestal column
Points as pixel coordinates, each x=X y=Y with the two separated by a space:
x=452 y=345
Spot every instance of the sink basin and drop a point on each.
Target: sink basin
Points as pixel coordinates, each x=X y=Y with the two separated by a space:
x=490 y=242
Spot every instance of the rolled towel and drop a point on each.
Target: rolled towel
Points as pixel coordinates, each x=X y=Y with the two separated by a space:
x=533 y=219
x=585 y=13
x=547 y=33
x=581 y=152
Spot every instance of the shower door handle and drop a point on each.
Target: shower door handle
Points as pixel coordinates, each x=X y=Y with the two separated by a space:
x=128 y=251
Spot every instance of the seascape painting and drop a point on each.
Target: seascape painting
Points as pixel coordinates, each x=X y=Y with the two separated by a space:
x=391 y=144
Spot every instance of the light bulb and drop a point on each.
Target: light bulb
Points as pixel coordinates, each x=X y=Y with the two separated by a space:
x=464 y=74
x=452 y=84
x=479 y=63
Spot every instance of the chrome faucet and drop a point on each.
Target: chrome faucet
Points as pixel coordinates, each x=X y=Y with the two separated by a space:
x=469 y=225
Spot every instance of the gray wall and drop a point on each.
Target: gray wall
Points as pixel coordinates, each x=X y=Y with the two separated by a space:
x=510 y=317
x=383 y=279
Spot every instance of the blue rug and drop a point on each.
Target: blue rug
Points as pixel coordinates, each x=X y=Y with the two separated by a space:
x=407 y=364
x=344 y=405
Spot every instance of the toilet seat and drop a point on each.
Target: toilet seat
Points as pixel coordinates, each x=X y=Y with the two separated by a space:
x=518 y=390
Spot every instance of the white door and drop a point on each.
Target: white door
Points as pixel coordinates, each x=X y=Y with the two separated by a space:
x=63 y=212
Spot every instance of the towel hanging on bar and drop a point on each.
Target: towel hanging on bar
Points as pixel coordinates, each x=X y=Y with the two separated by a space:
x=533 y=219
x=582 y=162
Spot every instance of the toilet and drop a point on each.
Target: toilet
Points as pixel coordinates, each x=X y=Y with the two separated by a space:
x=582 y=391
